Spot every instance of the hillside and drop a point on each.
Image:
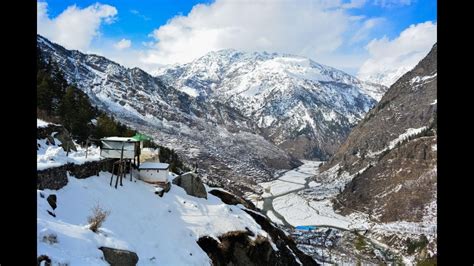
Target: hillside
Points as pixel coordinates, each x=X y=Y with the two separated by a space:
x=397 y=141
x=140 y=225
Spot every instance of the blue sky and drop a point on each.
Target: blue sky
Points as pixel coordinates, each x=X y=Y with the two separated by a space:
x=129 y=23
x=156 y=33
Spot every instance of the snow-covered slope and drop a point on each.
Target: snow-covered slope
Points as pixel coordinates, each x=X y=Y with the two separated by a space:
x=50 y=151
x=161 y=230
x=298 y=104
x=386 y=76
x=52 y=154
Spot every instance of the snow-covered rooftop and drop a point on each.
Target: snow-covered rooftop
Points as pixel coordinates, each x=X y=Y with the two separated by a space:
x=120 y=139
x=153 y=165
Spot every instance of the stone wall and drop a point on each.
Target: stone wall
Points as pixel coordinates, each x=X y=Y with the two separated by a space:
x=56 y=177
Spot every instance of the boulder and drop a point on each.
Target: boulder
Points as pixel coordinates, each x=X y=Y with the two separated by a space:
x=46 y=259
x=236 y=248
x=231 y=199
x=59 y=132
x=192 y=184
x=52 y=201
x=119 y=257
x=160 y=191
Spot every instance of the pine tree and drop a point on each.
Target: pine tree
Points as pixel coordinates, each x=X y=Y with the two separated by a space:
x=44 y=94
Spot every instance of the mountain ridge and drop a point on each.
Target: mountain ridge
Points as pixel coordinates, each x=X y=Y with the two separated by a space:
x=296 y=101
x=393 y=150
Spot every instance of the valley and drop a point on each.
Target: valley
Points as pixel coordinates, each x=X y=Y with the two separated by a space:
x=307 y=144
x=290 y=202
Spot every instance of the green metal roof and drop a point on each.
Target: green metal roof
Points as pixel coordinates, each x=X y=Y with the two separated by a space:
x=141 y=137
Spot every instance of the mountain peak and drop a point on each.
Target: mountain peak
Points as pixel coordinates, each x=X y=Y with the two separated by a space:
x=214 y=68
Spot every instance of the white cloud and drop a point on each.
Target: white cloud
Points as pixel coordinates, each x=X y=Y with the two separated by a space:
x=354 y=4
x=137 y=13
x=390 y=59
x=363 y=32
x=123 y=44
x=74 y=28
x=306 y=27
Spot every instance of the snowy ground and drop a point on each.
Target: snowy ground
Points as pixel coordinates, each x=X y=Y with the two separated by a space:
x=295 y=207
x=299 y=211
x=53 y=155
x=48 y=155
x=291 y=180
x=139 y=221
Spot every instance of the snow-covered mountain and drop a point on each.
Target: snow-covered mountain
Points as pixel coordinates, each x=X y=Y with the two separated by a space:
x=386 y=76
x=298 y=104
x=225 y=144
x=241 y=116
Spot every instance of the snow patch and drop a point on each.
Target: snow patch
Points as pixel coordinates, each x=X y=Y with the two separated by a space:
x=273 y=218
x=53 y=155
x=422 y=79
x=408 y=133
x=41 y=123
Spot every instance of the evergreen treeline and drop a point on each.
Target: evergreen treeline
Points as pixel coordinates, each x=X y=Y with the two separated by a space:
x=59 y=102
x=62 y=103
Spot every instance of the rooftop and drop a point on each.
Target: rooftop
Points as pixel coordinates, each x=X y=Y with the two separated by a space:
x=153 y=165
x=122 y=139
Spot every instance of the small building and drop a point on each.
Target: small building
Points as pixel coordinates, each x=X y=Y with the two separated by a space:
x=153 y=172
x=120 y=147
x=306 y=227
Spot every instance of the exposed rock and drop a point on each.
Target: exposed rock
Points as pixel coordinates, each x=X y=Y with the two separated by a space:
x=192 y=184
x=236 y=248
x=230 y=199
x=52 y=201
x=46 y=259
x=164 y=190
x=59 y=132
x=119 y=257
x=286 y=246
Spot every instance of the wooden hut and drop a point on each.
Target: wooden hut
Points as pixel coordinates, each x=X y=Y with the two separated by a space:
x=121 y=148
